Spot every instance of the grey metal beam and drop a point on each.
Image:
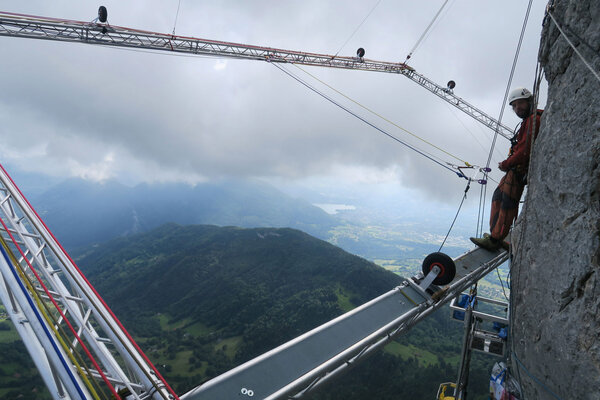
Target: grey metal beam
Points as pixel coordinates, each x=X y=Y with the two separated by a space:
x=298 y=367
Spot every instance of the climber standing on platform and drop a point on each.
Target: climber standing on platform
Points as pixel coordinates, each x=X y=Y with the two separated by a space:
x=505 y=201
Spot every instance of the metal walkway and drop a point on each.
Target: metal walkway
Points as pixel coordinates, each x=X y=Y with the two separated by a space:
x=303 y=364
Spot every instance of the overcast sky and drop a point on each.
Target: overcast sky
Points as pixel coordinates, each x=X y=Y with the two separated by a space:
x=96 y=112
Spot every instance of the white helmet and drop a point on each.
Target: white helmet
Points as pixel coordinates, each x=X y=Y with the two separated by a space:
x=519 y=93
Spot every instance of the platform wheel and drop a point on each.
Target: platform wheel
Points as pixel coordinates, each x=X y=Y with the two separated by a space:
x=445 y=263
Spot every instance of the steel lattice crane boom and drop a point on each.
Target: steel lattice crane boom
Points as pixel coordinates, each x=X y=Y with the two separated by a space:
x=79 y=346
x=26 y=26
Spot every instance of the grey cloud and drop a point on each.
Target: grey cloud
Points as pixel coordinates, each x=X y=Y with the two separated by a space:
x=179 y=116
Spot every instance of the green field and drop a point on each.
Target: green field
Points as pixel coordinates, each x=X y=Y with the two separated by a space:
x=492 y=286
x=424 y=357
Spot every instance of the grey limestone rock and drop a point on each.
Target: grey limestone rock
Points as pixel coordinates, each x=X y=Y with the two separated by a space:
x=556 y=262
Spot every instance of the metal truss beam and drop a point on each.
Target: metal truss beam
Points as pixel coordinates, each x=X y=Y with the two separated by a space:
x=15 y=25
x=55 y=308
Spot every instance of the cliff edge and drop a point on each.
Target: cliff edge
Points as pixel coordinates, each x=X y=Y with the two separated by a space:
x=556 y=265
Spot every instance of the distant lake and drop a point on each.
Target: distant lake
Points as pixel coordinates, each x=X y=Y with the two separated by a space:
x=330 y=208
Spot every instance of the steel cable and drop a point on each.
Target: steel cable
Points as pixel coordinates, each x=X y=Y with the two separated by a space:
x=497 y=131
x=421 y=152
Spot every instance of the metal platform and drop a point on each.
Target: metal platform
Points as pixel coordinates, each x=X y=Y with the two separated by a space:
x=485 y=340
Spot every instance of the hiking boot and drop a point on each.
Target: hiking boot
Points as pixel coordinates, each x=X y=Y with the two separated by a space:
x=505 y=245
x=487 y=242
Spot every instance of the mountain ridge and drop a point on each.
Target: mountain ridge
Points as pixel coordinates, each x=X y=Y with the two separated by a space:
x=82 y=212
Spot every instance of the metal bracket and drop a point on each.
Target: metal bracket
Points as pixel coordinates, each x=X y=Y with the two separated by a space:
x=428 y=280
x=421 y=284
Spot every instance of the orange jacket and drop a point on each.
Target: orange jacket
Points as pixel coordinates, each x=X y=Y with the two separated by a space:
x=518 y=157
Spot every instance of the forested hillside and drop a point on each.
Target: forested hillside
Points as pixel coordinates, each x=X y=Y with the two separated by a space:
x=233 y=282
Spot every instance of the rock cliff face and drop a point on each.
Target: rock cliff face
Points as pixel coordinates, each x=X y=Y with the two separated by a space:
x=556 y=268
